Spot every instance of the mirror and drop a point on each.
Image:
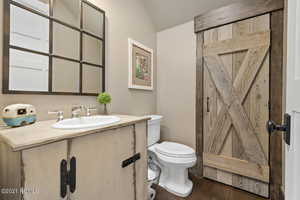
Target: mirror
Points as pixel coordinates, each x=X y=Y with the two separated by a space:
x=53 y=48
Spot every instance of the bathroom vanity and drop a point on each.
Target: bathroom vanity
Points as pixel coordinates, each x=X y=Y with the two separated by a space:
x=40 y=162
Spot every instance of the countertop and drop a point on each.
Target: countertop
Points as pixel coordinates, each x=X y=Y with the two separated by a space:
x=41 y=133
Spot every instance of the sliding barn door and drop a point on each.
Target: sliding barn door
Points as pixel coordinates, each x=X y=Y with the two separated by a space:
x=236 y=98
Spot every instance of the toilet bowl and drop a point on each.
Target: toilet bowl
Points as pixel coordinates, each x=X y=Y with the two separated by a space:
x=173 y=159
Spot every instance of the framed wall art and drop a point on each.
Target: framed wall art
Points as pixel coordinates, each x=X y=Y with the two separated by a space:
x=140 y=66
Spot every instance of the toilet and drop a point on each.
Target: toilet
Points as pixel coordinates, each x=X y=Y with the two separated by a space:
x=174 y=160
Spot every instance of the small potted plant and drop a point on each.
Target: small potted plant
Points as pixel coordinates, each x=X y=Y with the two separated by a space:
x=104 y=98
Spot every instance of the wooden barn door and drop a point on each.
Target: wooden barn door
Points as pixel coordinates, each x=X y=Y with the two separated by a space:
x=236 y=104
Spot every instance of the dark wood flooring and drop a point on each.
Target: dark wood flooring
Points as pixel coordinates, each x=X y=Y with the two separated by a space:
x=205 y=189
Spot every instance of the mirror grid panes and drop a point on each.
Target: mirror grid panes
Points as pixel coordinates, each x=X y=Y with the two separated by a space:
x=28 y=71
x=93 y=20
x=66 y=41
x=42 y=6
x=53 y=47
x=28 y=30
x=92 y=48
x=67 y=11
x=63 y=70
x=91 y=76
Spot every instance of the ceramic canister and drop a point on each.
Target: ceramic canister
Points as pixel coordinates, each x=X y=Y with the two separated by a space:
x=19 y=115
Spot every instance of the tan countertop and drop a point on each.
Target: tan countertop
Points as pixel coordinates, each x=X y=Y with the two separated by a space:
x=42 y=133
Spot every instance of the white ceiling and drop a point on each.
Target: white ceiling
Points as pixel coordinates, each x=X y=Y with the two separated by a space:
x=169 y=13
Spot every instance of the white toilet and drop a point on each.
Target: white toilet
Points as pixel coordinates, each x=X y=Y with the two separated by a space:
x=174 y=160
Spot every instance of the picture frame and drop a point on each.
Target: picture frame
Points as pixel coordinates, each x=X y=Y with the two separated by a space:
x=140 y=66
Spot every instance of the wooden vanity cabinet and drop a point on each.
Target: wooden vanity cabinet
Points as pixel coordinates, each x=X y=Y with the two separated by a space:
x=99 y=171
x=99 y=164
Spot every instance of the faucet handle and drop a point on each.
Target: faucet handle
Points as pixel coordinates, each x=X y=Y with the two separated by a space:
x=77 y=107
x=89 y=109
x=76 y=110
x=59 y=113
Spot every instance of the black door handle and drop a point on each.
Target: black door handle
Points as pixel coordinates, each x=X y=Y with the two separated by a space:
x=285 y=128
x=207 y=104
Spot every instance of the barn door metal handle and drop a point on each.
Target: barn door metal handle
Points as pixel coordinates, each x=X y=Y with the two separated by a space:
x=285 y=128
x=207 y=105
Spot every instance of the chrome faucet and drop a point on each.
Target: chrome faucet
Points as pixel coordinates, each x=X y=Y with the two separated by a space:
x=76 y=111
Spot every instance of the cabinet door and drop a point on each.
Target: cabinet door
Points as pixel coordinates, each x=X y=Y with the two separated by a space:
x=41 y=171
x=99 y=174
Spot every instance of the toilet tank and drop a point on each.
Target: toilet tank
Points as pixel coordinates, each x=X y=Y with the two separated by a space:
x=154 y=129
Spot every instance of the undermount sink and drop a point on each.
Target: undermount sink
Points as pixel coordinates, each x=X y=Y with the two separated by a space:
x=86 y=122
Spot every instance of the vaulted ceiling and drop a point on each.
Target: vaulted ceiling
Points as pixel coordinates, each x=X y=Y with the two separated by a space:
x=169 y=13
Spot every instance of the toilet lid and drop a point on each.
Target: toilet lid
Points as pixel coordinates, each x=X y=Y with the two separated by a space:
x=176 y=150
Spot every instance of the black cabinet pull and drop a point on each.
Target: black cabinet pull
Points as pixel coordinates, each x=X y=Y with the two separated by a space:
x=72 y=175
x=63 y=178
x=67 y=178
x=131 y=160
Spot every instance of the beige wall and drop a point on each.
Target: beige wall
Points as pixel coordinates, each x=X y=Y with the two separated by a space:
x=176 y=65
x=124 y=19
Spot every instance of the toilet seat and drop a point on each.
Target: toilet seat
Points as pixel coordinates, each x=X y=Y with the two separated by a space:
x=175 y=150
x=177 y=161
x=175 y=153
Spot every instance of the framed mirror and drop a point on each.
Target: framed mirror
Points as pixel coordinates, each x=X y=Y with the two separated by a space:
x=53 y=47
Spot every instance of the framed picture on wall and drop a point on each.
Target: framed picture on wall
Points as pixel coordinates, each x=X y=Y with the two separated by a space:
x=140 y=66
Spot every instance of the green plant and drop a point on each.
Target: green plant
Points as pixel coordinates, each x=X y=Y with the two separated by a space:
x=104 y=98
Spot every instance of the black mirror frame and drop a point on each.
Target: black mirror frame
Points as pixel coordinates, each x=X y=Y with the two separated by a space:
x=7 y=47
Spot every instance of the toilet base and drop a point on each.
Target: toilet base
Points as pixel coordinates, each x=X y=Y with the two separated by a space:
x=174 y=172
x=176 y=181
x=181 y=191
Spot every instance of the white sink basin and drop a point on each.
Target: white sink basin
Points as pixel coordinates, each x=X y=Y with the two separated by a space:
x=86 y=122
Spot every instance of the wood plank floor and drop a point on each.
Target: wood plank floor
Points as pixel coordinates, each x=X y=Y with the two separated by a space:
x=205 y=189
